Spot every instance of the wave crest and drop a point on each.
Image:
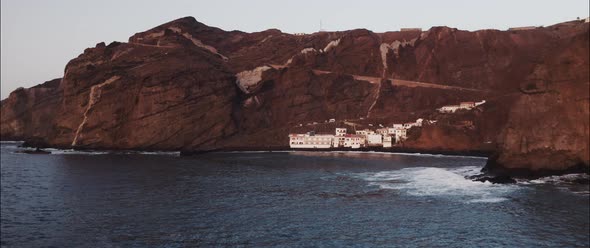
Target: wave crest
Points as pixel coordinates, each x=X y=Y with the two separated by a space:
x=440 y=182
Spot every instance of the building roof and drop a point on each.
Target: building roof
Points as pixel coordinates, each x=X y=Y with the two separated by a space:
x=354 y=136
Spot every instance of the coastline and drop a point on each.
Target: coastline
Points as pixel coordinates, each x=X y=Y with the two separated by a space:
x=401 y=150
x=393 y=150
x=490 y=169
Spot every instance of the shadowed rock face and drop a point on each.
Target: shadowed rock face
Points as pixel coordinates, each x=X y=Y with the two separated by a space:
x=187 y=86
x=26 y=113
x=547 y=128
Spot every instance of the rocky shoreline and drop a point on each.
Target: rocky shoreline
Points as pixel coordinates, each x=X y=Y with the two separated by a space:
x=474 y=153
x=185 y=86
x=490 y=172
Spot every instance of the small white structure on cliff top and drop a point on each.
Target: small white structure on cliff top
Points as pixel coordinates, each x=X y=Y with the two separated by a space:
x=410 y=30
x=522 y=28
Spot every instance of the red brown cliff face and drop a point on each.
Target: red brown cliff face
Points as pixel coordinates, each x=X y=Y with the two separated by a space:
x=26 y=113
x=548 y=126
x=187 y=86
x=130 y=96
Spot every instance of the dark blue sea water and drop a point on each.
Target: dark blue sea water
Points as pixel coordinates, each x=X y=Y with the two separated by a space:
x=283 y=199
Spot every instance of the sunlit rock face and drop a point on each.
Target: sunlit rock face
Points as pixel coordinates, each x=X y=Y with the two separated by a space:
x=186 y=86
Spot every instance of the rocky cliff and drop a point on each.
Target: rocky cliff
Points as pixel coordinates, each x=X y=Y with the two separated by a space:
x=187 y=86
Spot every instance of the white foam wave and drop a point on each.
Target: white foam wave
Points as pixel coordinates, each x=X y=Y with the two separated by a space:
x=431 y=181
x=71 y=151
x=437 y=155
x=268 y=151
x=91 y=152
x=10 y=142
x=567 y=178
x=488 y=200
x=397 y=153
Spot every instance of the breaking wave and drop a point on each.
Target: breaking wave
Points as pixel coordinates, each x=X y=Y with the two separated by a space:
x=417 y=154
x=578 y=183
x=90 y=152
x=440 y=182
x=10 y=142
x=567 y=178
x=55 y=151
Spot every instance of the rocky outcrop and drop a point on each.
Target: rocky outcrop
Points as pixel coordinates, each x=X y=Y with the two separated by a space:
x=186 y=86
x=27 y=114
x=548 y=126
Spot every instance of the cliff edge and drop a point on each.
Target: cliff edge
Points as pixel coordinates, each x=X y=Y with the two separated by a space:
x=186 y=86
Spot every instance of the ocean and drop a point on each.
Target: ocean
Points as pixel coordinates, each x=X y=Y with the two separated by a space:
x=279 y=199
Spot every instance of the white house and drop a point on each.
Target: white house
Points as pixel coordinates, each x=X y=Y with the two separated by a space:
x=382 y=131
x=340 y=131
x=354 y=141
x=364 y=132
x=338 y=141
x=296 y=140
x=400 y=135
x=391 y=130
x=310 y=141
x=387 y=141
x=374 y=140
x=398 y=125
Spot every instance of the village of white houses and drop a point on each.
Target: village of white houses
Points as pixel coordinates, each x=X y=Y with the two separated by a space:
x=379 y=136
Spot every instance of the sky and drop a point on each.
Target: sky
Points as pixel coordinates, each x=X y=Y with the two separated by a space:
x=39 y=37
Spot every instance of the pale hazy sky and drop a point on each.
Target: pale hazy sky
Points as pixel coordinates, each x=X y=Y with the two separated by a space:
x=40 y=37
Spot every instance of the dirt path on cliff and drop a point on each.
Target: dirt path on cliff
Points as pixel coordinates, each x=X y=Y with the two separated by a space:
x=400 y=82
x=394 y=82
x=155 y=46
